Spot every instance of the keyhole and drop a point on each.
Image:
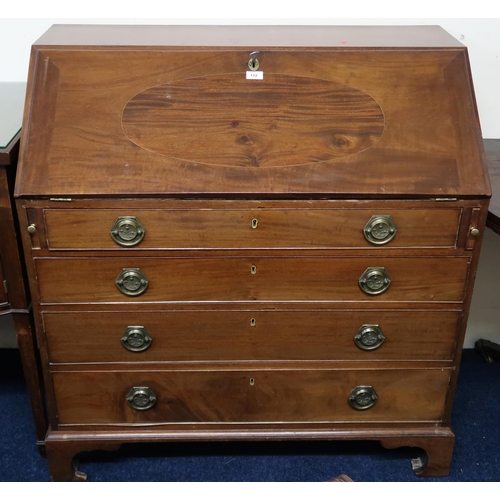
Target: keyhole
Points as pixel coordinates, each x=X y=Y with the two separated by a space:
x=252 y=381
x=255 y=222
x=253 y=270
x=253 y=64
x=252 y=322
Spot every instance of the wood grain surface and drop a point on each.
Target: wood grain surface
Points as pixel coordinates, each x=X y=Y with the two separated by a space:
x=231 y=228
x=92 y=280
x=252 y=326
x=206 y=38
x=228 y=396
x=77 y=145
x=280 y=121
x=94 y=337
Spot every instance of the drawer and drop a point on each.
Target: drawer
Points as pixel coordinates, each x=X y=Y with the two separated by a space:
x=252 y=228
x=235 y=279
x=75 y=337
x=94 y=397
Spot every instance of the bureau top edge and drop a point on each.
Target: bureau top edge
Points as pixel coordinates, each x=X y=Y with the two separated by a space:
x=278 y=197
x=224 y=36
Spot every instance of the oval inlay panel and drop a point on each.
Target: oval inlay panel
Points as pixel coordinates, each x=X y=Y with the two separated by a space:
x=227 y=120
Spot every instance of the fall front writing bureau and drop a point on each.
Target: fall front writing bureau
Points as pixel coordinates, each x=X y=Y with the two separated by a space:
x=250 y=233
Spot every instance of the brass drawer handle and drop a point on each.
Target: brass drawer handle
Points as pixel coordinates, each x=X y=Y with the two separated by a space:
x=375 y=280
x=136 y=339
x=380 y=229
x=369 y=337
x=127 y=231
x=363 y=397
x=132 y=282
x=141 y=398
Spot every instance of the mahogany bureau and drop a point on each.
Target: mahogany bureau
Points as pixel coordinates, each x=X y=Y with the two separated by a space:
x=247 y=233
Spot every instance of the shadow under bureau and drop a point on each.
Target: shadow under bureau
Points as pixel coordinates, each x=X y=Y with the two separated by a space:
x=250 y=233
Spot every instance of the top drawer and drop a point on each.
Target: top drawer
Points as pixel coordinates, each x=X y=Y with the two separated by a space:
x=251 y=228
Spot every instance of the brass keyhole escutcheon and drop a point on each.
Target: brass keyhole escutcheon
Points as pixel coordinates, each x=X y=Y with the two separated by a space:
x=253 y=63
x=252 y=381
x=380 y=229
x=255 y=223
x=252 y=322
x=374 y=281
x=253 y=269
x=127 y=231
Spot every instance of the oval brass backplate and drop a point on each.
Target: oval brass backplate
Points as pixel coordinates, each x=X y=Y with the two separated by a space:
x=363 y=397
x=141 y=398
x=380 y=229
x=369 y=337
x=375 y=280
x=132 y=282
x=136 y=339
x=127 y=231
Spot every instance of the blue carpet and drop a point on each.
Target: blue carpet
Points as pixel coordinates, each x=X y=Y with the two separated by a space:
x=475 y=420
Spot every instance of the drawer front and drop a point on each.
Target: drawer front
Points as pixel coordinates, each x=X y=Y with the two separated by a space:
x=250 y=335
x=93 y=280
x=93 y=397
x=252 y=228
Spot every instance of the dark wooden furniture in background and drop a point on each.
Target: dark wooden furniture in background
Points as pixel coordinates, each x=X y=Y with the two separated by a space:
x=216 y=254
x=14 y=295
